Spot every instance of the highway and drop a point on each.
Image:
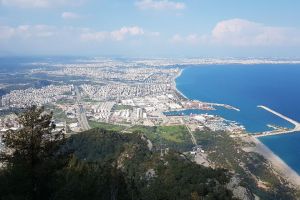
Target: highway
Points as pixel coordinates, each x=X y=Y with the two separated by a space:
x=279 y=131
x=81 y=112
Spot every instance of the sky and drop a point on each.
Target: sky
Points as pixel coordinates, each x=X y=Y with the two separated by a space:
x=151 y=28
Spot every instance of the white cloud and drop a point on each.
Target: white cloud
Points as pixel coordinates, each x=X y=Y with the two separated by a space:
x=32 y=32
x=35 y=31
x=123 y=32
x=116 y=35
x=39 y=3
x=69 y=15
x=240 y=32
x=160 y=5
x=27 y=31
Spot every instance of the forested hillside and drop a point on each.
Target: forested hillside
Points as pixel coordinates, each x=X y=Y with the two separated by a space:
x=40 y=163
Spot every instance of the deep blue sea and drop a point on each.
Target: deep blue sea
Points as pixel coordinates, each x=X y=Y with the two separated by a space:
x=245 y=87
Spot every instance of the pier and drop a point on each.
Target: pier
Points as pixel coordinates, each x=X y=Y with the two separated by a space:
x=279 y=131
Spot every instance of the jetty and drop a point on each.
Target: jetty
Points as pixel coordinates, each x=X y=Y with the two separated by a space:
x=279 y=131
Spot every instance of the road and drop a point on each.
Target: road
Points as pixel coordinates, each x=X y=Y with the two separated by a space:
x=81 y=112
x=194 y=141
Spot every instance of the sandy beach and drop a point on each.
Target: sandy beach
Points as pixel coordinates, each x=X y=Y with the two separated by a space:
x=174 y=83
x=278 y=164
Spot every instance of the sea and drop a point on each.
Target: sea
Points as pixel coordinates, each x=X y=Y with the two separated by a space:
x=245 y=87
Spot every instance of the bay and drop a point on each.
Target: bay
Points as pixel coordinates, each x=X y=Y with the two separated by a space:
x=245 y=87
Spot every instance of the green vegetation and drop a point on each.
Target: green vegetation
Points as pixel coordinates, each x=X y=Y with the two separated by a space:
x=227 y=153
x=98 y=164
x=145 y=174
x=175 y=137
x=107 y=126
x=178 y=134
x=31 y=158
x=106 y=164
x=149 y=131
x=58 y=113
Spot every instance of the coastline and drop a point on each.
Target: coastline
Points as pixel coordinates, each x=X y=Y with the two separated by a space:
x=277 y=163
x=175 y=86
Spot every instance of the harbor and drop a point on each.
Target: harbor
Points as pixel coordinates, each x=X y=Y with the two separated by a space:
x=279 y=131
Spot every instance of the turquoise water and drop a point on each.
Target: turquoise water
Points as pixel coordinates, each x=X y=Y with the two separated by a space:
x=245 y=87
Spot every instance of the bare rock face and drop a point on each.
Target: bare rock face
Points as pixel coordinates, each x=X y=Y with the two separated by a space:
x=238 y=191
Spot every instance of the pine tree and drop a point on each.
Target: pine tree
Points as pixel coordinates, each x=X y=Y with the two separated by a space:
x=30 y=155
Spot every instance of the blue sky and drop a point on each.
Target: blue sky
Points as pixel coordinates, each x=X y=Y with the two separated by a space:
x=151 y=28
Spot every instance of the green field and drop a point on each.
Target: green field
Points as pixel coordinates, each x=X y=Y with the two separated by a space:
x=106 y=126
x=178 y=134
x=176 y=137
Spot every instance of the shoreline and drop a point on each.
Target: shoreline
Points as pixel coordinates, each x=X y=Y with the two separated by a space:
x=277 y=163
x=175 y=85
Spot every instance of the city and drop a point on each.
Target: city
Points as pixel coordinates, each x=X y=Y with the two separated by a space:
x=120 y=93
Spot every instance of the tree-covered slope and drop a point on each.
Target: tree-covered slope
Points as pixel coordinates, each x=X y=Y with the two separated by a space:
x=40 y=163
x=123 y=165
